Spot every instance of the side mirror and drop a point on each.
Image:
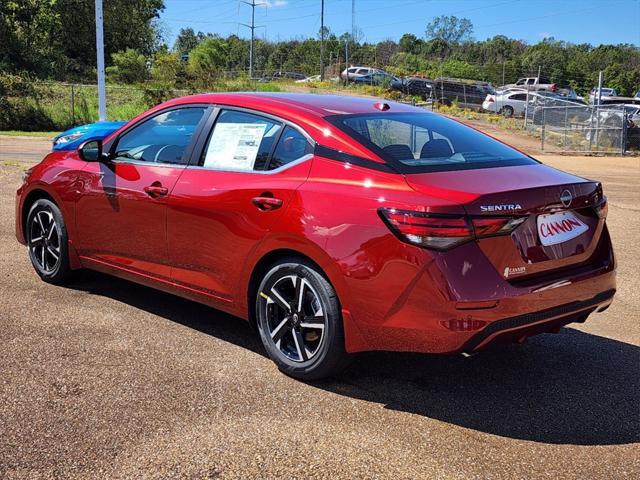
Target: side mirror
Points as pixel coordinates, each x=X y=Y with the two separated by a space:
x=91 y=151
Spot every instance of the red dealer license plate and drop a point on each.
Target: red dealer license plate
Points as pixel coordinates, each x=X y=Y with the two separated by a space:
x=559 y=227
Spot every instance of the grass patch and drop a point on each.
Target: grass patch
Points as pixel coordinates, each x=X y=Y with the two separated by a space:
x=22 y=133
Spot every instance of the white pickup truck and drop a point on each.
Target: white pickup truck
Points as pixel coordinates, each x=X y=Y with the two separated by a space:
x=533 y=83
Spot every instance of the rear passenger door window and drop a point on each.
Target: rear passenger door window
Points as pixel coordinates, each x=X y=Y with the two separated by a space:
x=292 y=146
x=240 y=141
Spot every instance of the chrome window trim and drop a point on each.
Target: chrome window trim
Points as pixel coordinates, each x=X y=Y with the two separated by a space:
x=298 y=161
x=128 y=161
x=219 y=108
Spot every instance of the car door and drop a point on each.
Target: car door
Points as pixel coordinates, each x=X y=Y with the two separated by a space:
x=121 y=210
x=518 y=101
x=221 y=208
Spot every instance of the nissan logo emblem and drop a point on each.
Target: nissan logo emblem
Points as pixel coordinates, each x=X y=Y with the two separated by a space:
x=566 y=197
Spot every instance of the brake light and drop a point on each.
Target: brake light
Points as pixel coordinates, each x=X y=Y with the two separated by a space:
x=443 y=231
x=490 y=99
x=436 y=231
x=553 y=87
x=486 y=226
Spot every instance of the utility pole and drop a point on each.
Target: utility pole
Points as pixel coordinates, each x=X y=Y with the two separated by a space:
x=102 y=96
x=252 y=27
x=353 y=20
x=322 y=40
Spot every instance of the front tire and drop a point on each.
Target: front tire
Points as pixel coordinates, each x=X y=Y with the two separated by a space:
x=47 y=241
x=300 y=322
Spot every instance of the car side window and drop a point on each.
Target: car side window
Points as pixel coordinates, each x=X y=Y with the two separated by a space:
x=519 y=96
x=162 y=138
x=291 y=146
x=240 y=141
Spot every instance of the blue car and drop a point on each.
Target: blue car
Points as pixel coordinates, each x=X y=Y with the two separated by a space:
x=74 y=137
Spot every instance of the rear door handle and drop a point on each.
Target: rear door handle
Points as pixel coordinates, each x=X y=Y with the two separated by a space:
x=266 y=203
x=156 y=190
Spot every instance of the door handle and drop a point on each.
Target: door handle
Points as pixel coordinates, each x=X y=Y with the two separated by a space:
x=266 y=203
x=156 y=190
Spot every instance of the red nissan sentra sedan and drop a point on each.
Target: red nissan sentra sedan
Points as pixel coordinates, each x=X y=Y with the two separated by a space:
x=333 y=224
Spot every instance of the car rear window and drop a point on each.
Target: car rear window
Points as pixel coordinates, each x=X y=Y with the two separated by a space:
x=426 y=142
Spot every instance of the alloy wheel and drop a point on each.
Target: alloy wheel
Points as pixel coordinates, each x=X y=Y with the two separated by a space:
x=44 y=241
x=297 y=323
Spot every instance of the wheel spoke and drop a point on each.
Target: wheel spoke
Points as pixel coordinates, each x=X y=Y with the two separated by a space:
x=300 y=348
x=52 y=253
x=278 y=300
x=280 y=330
x=313 y=322
x=52 y=227
x=299 y=295
x=37 y=239
x=44 y=264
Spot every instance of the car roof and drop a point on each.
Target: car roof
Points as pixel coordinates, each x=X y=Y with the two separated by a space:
x=319 y=105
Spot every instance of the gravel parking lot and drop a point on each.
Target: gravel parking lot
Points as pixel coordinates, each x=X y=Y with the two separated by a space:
x=109 y=379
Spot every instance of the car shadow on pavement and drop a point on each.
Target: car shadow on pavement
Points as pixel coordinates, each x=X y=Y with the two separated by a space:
x=176 y=309
x=566 y=388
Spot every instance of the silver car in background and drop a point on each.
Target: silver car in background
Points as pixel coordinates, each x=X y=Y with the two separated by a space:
x=511 y=102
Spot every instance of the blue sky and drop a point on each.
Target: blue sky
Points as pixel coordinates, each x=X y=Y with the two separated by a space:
x=577 y=21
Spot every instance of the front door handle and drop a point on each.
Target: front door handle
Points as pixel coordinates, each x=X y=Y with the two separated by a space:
x=266 y=203
x=156 y=190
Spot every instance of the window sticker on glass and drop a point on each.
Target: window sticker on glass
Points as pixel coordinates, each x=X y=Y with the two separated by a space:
x=234 y=146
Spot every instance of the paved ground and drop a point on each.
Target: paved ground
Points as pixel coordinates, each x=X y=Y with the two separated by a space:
x=112 y=380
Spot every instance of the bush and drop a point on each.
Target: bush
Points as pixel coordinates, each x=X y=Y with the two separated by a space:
x=129 y=66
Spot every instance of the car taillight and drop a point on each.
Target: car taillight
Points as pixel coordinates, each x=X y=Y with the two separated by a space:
x=436 y=231
x=443 y=231
x=490 y=98
x=487 y=226
x=553 y=87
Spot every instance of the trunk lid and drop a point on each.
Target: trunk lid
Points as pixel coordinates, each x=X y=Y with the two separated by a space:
x=532 y=191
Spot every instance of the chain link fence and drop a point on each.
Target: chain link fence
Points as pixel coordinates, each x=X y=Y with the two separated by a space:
x=567 y=127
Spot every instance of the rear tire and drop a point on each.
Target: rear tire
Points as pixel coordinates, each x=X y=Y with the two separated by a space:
x=47 y=240
x=507 y=111
x=300 y=321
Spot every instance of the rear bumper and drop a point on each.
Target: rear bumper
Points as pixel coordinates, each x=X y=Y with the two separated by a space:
x=522 y=326
x=458 y=302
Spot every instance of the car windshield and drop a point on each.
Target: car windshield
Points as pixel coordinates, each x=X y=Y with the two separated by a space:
x=426 y=142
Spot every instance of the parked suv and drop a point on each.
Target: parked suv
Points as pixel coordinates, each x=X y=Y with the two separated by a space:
x=466 y=93
x=418 y=86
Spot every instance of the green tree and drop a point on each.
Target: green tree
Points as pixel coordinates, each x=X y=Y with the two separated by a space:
x=207 y=60
x=56 y=38
x=187 y=40
x=450 y=28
